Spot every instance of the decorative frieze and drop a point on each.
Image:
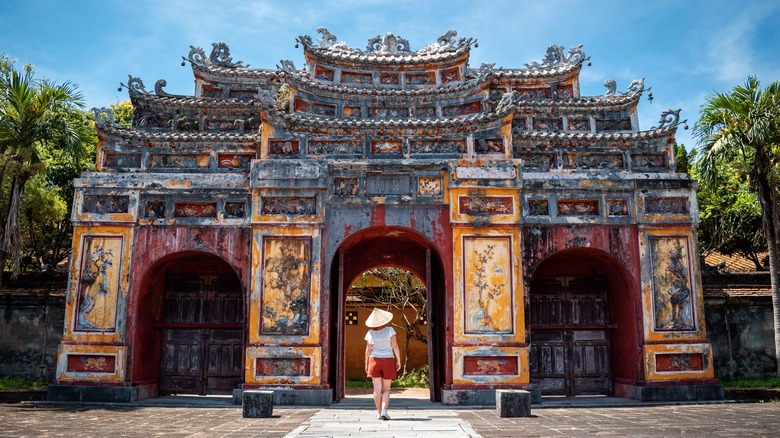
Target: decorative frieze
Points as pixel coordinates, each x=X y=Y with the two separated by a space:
x=356 y=78
x=234 y=161
x=617 y=207
x=666 y=205
x=579 y=207
x=538 y=207
x=387 y=146
x=91 y=363
x=579 y=124
x=389 y=112
x=648 y=161
x=437 y=146
x=179 y=161
x=421 y=79
x=665 y=363
x=283 y=148
x=294 y=205
x=282 y=366
x=154 y=209
x=490 y=365
x=486 y=205
x=450 y=75
x=235 y=209
x=105 y=204
x=387 y=185
x=462 y=109
x=345 y=187
x=117 y=160
x=592 y=161
x=553 y=124
x=489 y=146
x=613 y=124
x=334 y=147
x=317 y=109
x=429 y=186
x=195 y=210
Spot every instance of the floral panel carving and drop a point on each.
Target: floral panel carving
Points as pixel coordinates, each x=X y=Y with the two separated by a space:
x=613 y=124
x=91 y=363
x=243 y=94
x=425 y=112
x=534 y=93
x=154 y=209
x=648 y=161
x=114 y=160
x=450 y=75
x=661 y=205
x=283 y=148
x=429 y=186
x=334 y=147
x=579 y=124
x=170 y=161
x=288 y=205
x=537 y=161
x=679 y=362
x=286 y=278
x=421 y=79
x=538 y=207
x=437 y=146
x=98 y=287
x=322 y=73
x=489 y=146
x=356 y=78
x=486 y=205
x=617 y=207
x=565 y=91
x=592 y=161
x=234 y=161
x=105 y=204
x=490 y=366
x=578 y=207
x=351 y=112
x=283 y=366
x=554 y=124
x=462 y=109
x=318 y=109
x=487 y=285
x=195 y=210
x=389 y=113
x=388 y=79
x=235 y=210
x=387 y=146
x=345 y=187
x=672 y=309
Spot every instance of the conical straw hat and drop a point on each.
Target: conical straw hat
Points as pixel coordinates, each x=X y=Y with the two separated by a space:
x=378 y=318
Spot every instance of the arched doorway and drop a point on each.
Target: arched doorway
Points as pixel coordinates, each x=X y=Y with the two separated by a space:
x=396 y=247
x=582 y=311
x=190 y=327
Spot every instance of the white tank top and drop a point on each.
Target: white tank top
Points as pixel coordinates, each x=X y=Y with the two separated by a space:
x=380 y=339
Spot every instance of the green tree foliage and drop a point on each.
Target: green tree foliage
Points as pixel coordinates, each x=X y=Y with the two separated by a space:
x=741 y=129
x=123 y=113
x=38 y=120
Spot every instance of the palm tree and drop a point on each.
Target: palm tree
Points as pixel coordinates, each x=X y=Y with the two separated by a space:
x=742 y=129
x=34 y=115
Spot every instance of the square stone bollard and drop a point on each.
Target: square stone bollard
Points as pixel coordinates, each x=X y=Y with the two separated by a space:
x=513 y=403
x=258 y=404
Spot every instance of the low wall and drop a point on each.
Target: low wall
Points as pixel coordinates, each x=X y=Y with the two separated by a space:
x=739 y=323
x=33 y=313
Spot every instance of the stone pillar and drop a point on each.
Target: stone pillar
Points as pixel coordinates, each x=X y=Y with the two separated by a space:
x=258 y=404
x=513 y=403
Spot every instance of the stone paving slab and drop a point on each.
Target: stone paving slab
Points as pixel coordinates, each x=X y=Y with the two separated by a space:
x=708 y=420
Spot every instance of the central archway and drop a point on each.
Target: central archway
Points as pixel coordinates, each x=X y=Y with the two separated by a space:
x=396 y=247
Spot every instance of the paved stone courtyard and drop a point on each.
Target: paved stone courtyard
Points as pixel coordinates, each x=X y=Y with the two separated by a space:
x=711 y=420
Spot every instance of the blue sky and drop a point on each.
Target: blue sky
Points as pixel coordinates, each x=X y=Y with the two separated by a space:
x=685 y=50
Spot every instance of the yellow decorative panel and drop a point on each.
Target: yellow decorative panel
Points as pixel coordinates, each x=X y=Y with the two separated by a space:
x=490 y=365
x=488 y=304
x=672 y=302
x=285 y=299
x=96 y=304
x=283 y=365
x=489 y=205
x=678 y=362
x=91 y=363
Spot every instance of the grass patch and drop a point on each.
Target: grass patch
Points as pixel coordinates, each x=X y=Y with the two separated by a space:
x=763 y=382
x=417 y=378
x=21 y=383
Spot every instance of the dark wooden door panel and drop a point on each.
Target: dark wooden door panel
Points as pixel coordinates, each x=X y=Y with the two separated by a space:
x=203 y=352
x=570 y=348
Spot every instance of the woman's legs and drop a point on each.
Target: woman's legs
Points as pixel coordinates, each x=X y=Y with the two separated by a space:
x=378 y=393
x=385 y=393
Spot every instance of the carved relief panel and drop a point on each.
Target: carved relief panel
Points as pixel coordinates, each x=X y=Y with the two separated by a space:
x=98 y=284
x=487 y=285
x=286 y=283
x=672 y=287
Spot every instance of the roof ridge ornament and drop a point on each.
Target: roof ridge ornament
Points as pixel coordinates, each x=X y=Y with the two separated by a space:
x=447 y=43
x=388 y=44
x=671 y=118
x=636 y=86
x=555 y=57
x=220 y=56
x=104 y=116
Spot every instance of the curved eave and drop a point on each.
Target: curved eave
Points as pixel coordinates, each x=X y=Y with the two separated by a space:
x=149 y=100
x=605 y=136
x=218 y=73
x=371 y=61
x=583 y=103
x=560 y=70
x=303 y=83
x=167 y=136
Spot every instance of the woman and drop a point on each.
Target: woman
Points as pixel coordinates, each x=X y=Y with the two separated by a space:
x=381 y=348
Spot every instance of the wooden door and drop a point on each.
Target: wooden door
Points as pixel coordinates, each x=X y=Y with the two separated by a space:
x=202 y=349
x=570 y=337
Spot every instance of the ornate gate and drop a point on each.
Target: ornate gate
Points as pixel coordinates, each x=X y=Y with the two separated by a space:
x=570 y=345
x=202 y=347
